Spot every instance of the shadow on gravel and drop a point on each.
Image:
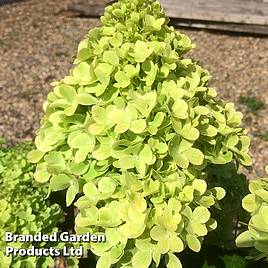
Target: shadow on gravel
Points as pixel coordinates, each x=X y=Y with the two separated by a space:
x=5 y=2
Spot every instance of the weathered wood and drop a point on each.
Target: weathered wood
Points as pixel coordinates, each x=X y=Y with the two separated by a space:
x=227 y=27
x=235 y=11
x=246 y=16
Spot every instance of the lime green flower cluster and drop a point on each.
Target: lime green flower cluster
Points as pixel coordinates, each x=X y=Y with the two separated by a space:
x=23 y=207
x=131 y=129
x=256 y=203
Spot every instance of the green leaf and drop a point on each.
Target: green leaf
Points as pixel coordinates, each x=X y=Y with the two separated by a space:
x=69 y=111
x=174 y=148
x=199 y=229
x=82 y=45
x=116 y=253
x=81 y=154
x=41 y=174
x=158 y=233
x=194 y=156
x=86 y=99
x=123 y=80
x=146 y=154
x=106 y=185
x=172 y=261
x=261 y=246
x=218 y=192
x=82 y=73
x=189 y=133
x=161 y=147
x=131 y=70
x=141 y=259
x=35 y=156
x=180 y=109
x=234 y=261
x=193 y=243
x=201 y=214
x=67 y=92
x=200 y=186
x=263 y=194
x=141 y=51
x=193 y=80
x=127 y=162
x=71 y=193
x=116 y=40
x=102 y=152
x=81 y=140
x=101 y=248
x=55 y=161
x=144 y=244
x=104 y=262
x=202 y=110
x=132 y=182
x=181 y=161
x=79 y=168
x=52 y=137
x=245 y=159
x=83 y=55
x=105 y=68
x=232 y=141
x=176 y=244
x=60 y=182
x=90 y=190
x=113 y=236
x=208 y=130
x=103 y=78
x=131 y=229
x=118 y=13
x=153 y=24
x=138 y=126
x=249 y=203
x=70 y=80
x=139 y=204
x=111 y=57
x=99 y=114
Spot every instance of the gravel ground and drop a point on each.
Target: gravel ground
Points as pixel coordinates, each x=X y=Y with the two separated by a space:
x=38 y=42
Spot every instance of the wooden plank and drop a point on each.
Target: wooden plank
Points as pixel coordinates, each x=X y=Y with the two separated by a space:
x=227 y=27
x=185 y=15
x=237 y=11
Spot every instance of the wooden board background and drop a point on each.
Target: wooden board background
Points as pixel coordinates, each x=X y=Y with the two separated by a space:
x=232 y=11
x=247 y=16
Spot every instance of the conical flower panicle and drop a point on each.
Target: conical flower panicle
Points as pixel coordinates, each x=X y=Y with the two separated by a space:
x=132 y=129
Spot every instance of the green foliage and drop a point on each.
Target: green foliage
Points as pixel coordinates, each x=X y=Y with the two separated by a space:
x=23 y=207
x=234 y=261
x=212 y=256
x=231 y=212
x=253 y=104
x=256 y=203
x=132 y=130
